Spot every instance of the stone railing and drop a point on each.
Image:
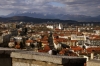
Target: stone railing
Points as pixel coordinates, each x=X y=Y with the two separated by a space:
x=93 y=63
x=30 y=58
x=16 y=57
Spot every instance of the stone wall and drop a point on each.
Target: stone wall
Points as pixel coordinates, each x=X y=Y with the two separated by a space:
x=16 y=57
x=30 y=58
x=24 y=62
x=93 y=63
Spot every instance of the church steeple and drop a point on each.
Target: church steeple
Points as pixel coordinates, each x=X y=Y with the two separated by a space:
x=59 y=26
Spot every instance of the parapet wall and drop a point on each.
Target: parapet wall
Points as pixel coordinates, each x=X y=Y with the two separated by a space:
x=30 y=58
x=93 y=63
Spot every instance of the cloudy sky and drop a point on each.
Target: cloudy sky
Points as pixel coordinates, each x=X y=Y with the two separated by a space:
x=77 y=7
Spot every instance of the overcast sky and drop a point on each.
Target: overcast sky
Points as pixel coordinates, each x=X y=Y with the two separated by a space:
x=77 y=7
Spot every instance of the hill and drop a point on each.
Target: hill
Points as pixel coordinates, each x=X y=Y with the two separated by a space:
x=31 y=19
x=58 y=16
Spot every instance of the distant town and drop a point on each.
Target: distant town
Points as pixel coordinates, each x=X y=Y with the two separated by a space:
x=82 y=38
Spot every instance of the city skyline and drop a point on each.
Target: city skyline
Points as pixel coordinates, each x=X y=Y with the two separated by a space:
x=76 y=7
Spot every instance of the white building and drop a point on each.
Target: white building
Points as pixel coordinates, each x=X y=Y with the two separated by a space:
x=75 y=37
x=50 y=26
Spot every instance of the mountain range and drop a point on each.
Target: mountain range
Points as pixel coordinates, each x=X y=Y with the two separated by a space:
x=79 y=18
x=31 y=19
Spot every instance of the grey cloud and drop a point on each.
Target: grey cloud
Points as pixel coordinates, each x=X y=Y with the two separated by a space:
x=82 y=7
